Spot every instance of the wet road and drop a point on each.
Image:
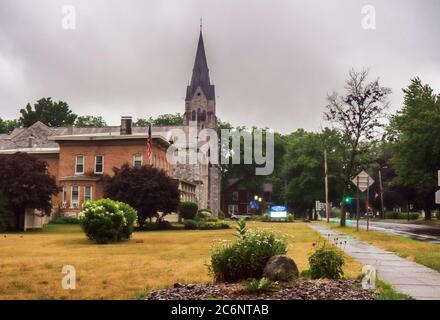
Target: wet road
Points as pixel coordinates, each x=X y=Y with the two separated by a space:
x=414 y=231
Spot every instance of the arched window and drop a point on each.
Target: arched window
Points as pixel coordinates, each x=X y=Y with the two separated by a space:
x=193 y=115
x=203 y=118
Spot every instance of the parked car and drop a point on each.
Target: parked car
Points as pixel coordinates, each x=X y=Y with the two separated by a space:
x=240 y=216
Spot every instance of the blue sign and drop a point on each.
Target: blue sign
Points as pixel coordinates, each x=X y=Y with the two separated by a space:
x=254 y=204
x=278 y=212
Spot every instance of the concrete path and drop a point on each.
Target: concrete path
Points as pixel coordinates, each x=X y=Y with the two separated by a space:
x=405 y=276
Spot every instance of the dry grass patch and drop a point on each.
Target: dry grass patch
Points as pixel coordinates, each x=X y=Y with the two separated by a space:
x=30 y=263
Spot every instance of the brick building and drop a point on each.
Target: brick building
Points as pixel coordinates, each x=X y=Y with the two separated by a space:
x=79 y=157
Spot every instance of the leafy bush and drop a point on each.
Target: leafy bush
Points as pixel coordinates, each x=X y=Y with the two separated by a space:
x=188 y=210
x=326 y=262
x=221 y=215
x=106 y=220
x=290 y=217
x=247 y=257
x=65 y=220
x=266 y=217
x=6 y=214
x=256 y=217
x=205 y=225
x=257 y=286
x=401 y=215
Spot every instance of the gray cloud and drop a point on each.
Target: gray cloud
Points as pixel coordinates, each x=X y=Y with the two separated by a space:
x=272 y=62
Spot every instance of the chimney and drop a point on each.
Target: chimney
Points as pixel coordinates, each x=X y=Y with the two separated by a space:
x=126 y=125
x=31 y=142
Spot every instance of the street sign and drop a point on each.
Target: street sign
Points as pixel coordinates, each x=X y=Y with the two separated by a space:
x=437 y=197
x=278 y=212
x=319 y=205
x=365 y=181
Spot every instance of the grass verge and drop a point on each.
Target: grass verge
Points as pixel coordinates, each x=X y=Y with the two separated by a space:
x=425 y=253
x=385 y=291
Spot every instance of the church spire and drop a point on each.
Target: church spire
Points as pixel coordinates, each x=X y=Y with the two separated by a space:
x=200 y=74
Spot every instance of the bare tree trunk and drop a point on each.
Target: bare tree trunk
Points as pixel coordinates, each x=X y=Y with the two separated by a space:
x=428 y=213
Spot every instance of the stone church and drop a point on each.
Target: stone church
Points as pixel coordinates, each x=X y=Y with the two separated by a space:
x=200 y=107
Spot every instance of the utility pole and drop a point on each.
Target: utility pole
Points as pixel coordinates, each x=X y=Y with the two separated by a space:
x=367 y=202
x=357 y=203
x=327 y=206
x=381 y=193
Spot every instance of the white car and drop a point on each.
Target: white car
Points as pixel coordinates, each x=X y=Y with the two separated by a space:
x=240 y=216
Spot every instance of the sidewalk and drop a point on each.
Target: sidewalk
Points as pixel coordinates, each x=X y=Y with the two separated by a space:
x=405 y=276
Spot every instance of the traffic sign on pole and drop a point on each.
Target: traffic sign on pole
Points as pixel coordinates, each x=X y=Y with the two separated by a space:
x=363 y=181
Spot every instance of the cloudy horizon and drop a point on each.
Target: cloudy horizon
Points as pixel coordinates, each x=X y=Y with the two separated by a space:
x=272 y=63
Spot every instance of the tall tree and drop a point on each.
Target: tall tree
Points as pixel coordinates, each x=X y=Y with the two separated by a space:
x=357 y=114
x=149 y=190
x=7 y=126
x=26 y=183
x=90 y=121
x=304 y=167
x=416 y=129
x=53 y=114
x=167 y=119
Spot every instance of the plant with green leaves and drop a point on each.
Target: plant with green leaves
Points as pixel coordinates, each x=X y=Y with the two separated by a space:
x=326 y=262
x=247 y=257
x=257 y=285
x=107 y=220
x=241 y=229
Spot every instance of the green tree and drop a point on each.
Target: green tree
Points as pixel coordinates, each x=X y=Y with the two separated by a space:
x=7 y=126
x=167 y=119
x=90 y=121
x=26 y=183
x=53 y=114
x=416 y=129
x=357 y=115
x=304 y=167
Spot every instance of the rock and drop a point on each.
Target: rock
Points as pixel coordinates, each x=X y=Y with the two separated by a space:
x=281 y=268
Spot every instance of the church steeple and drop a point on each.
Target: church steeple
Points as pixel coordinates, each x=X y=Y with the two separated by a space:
x=200 y=73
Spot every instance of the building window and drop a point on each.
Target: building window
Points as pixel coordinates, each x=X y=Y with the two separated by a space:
x=233 y=209
x=235 y=196
x=137 y=161
x=74 y=203
x=79 y=164
x=88 y=196
x=99 y=164
x=64 y=196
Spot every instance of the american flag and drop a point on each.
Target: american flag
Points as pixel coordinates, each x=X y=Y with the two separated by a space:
x=149 y=144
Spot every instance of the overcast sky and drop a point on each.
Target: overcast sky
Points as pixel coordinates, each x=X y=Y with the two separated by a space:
x=273 y=62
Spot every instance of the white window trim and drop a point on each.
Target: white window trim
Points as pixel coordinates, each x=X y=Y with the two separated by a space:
x=83 y=164
x=71 y=197
x=91 y=193
x=64 y=196
x=97 y=172
x=134 y=159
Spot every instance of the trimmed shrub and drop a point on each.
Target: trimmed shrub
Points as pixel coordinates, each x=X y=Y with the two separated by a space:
x=247 y=257
x=188 y=210
x=401 y=215
x=106 y=220
x=326 y=262
x=290 y=217
x=65 y=220
x=6 y=214
x=161 y=225
x=221 y=215
x=205 y=225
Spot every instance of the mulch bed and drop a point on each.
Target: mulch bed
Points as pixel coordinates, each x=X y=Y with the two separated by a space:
x=303 y=290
